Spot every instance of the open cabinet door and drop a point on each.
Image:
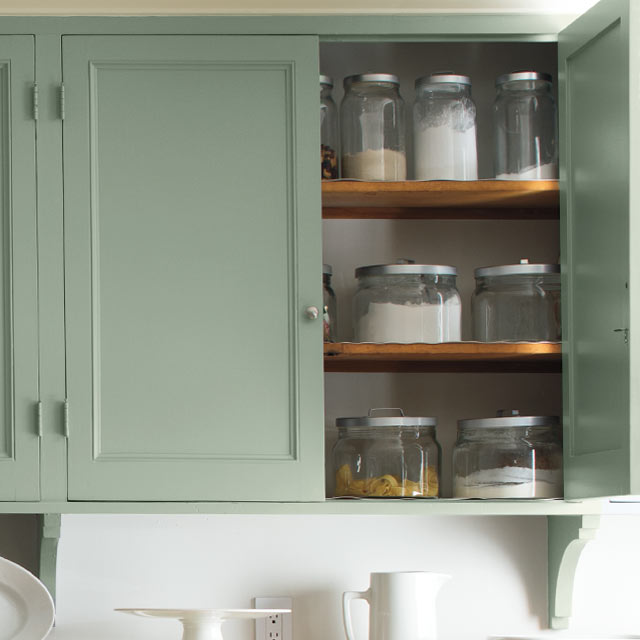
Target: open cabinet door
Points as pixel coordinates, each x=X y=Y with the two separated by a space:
x=599 y=62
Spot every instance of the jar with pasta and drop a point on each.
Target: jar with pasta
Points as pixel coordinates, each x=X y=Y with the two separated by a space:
x=386 y=456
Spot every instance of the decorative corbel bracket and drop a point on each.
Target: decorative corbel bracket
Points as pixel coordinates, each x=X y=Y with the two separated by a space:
x=49 y=526
x=567 y=537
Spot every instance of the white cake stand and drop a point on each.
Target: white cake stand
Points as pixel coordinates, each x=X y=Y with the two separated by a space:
x=204 y=624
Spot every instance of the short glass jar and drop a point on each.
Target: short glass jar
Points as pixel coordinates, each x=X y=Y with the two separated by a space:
x=525 y=127
x=329 y=307
x=516 y=302
x=407 y=303
x=508 y=457
x=386 y=456
x=372 y=128
x=444 y=128
x=328 y=130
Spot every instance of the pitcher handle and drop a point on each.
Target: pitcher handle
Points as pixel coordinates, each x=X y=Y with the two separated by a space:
x=347 y=597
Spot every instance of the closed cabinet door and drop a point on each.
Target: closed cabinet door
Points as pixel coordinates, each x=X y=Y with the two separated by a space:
x=600 y=203
x=192 y=263
x=19 y=425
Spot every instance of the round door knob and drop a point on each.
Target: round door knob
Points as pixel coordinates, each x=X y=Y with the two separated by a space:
x=312 y=313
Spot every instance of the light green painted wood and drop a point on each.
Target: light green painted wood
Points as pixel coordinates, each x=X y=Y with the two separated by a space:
x=48 y=562
x=53 y=463
x=192 y=248
x=19 y=442
x=567 y=537
x=595 y=184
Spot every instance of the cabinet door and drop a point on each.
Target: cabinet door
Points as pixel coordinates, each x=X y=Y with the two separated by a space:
x=19 y=442
x=192 y=249
x=599 y=68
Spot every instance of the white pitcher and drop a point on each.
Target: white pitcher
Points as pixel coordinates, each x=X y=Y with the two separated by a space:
x=401 y=605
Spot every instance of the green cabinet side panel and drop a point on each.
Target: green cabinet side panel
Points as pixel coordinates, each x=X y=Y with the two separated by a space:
x=192 y=248
x=19 y=442
x=594 y=54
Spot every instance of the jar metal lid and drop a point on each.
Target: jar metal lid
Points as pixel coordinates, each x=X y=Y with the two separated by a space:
x=406 y=270
x=506 y=422
x=371 y=77
x=522 y=269
x=444 y=77
x=523 y=75
x=327 y=270
x=328 y=80
x=386 y=421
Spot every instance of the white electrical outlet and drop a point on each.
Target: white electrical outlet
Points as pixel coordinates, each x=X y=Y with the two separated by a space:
x=278 y=626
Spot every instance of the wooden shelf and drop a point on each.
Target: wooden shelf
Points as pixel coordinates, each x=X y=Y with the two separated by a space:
x=446 y=200
x=459 y=357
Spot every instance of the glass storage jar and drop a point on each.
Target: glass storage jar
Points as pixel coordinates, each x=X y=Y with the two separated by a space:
x=525 y=129
x=372 y=128
x=516 y=302
x=406 y=302
x=444 y=128
x=508 y=457
x=329 y=307
x=386 y=456
x=328 y=130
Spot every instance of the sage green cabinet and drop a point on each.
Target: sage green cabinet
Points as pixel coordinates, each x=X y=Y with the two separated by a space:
x=599 y=68
x=192 y=251
x=19 y=430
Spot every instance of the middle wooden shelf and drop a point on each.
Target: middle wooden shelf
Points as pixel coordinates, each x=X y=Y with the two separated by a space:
x=448 y=357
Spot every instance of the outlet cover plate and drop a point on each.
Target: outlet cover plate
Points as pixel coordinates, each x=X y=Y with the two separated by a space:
x=281 y=625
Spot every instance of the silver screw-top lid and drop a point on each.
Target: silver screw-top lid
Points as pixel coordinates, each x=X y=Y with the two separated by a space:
x=509 y=419
x=442 y=77
x=523 y=75
x=327 y=270
x=399 y=420
x=404 y=267
x=524 y=268
x=326 y=80
x=371 y=77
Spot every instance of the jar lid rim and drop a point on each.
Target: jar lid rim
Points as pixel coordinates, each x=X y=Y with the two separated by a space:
x=515 y=76
x=371 y=77
x=386 y=421
x=502 y=422
x=406 y=270
x=328 y=80
x=442 y=78
x=516 y=269
x=327 y=270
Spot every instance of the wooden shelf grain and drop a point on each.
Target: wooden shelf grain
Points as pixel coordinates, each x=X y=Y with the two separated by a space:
x=458 y=357
x=442 y=199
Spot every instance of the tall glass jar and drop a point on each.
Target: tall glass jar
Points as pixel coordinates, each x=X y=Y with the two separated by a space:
x=407 y=303
x=329 y=308
x=328 y=130
x=386 y=456
x=444 y=128
x=525 y=129
x=516 y=302
x=372 y=128
x=508 y=457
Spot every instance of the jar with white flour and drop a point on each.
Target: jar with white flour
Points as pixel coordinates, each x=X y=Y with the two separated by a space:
x=372 y=128
x=407 y=303
x=509 y=456
x=444 y=128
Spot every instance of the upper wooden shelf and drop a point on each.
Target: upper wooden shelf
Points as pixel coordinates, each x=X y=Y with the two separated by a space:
x=443 y=199
x=459 y=357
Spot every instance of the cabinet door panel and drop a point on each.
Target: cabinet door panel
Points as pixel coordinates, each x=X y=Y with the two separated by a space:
x=19 y=442
x=598 y=60
x=192 y=246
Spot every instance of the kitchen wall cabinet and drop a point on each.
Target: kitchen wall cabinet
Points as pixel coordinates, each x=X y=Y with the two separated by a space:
x=191 y=252
x=20 y=425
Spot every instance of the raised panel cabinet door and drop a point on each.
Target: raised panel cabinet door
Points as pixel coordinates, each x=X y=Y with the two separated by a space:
x=19 y=430
x=599 y=68
x=192 y=252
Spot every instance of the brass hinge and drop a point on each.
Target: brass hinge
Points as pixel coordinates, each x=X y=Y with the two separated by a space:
x=34 y=103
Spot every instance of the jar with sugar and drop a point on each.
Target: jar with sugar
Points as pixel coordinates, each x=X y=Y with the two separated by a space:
x=372 y=128
x=444 y=128
x=509 y=456
x=407 y=302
